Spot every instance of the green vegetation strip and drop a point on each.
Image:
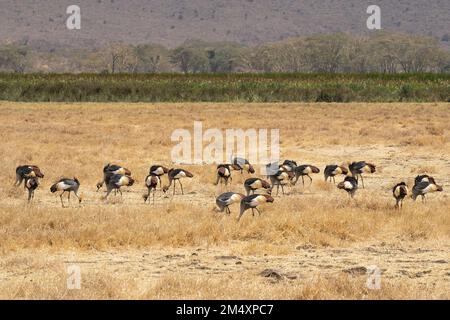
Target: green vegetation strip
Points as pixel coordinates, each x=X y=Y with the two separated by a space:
x=225 y=87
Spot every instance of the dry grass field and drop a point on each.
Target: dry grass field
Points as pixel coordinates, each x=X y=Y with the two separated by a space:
x=316 y=239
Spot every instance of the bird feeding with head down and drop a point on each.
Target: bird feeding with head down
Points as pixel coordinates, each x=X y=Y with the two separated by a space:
x=67 y=185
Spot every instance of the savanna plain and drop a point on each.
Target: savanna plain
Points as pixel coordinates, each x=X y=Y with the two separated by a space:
x=312 y=243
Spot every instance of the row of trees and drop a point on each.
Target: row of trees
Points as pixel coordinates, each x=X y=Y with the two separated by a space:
x=382 y=52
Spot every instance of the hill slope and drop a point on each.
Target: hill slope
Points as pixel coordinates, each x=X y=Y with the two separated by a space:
x=170 y=22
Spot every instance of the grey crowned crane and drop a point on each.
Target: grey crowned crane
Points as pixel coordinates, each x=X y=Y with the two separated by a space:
x=288 y=165
x=252 y=202
x=117 y=181
x=223 y=174
x=253 y=184
x=400 y=191
x=350 y=184
x=151 y=182
x=422 y=178
x=332 y=170
x=31 y=184
x=176 y=175
x=274 y=167
x=305 y=170
x=27 y=171
x=110 y=170
x=240 y=164
x=66 y=185
x=225 y=200
x=159 y=171
x=280 y=179
x=424 y=187
x=360 y=167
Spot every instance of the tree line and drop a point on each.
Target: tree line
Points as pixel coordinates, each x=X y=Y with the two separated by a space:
x=381 y=52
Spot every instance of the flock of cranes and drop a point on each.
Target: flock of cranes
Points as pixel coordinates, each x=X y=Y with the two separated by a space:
x=258 y=190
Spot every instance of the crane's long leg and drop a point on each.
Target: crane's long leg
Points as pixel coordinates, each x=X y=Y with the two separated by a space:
x=310 y=183
x=60 y=197
x=174 y=187
x=108 y=191
x=303 y=182
x=258 y=211
x=362 y=180
x=154 y=191
x=282 y=189
x=181 y=185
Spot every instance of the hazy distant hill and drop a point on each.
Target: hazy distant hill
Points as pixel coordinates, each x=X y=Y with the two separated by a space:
x=170 y=22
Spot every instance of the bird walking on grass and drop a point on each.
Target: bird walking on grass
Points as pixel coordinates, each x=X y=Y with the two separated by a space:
x=227 y=199
x=176 y=175
x=159 y=171
x=223 y=174
x=151 y=182
x=305 y=170
x=360 y=167
x=31 y=184
x=117 y=181
x=288 y=165
x=27 y=171
x=67 y=185
x=240 y=164
x=424 y=187
x=253 y=184
x=332 y=170
x=280 y=179
x=252 y=202
x=350 y=184
x=400 y=191
x=110 y=170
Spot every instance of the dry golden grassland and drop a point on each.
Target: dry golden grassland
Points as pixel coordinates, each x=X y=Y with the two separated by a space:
x=181 y=248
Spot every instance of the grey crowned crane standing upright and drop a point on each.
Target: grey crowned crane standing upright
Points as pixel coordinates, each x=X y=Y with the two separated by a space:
x=240 y=164
x=424 y=186
x=159 y=171
x=332 y=170
x=66 y=185
x=252 y=202
x=400 y=191
x=227 y=199
x=151 y=182
x=305 y=170
x=27 y=171
x=117 y=181
x=110 y=170
x=280 y=179
x=350 y=184
x=253 y=184
x=176 y=175
x=360 y=167
x=223 y=174
x=31 y=184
